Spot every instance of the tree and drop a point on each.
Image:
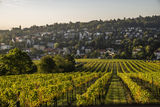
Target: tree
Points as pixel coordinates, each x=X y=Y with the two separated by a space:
x=95 y=54
x=2 y=67
x=140 y=55
x=148 y=50
x=64 y=64
x=16 y=62
x=47 y=64
x=56 y=45
x=139 y=52
x=70 y=62
x=123 y=55
x=70 y=58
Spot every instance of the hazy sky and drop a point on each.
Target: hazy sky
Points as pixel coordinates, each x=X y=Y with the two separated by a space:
x=41 y=12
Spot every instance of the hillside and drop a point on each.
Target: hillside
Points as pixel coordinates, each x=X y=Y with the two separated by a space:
x=122 y=38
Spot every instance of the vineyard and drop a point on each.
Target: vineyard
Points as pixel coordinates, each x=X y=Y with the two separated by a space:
x=94 y=82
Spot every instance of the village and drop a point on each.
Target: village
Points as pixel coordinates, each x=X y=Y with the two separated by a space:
x=51 y=43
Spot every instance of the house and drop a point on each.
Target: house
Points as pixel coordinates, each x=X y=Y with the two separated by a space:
x=90 y=38
x=155 y=36
x=13 y=40
x=136 y=50
x=108 y=33
x=26 y=36
x=4 y=47
x=157 y=54
x=50 y=44
x=118 y=42
x=78 y=52
x=111 y=53
x=102 y=51
x=85 y=29
x=85 y=34
x=21 y=40
x=87 y=51
x=66 y=51
x=2 y=44
x=140 y=30
x=36 y=47
x=109 y=49
x=53 y=38
x=27 y=50
x=39 y=38
x=97 y=34
x=39 y=47
x=29 y=42
x=82 y=48
x=106 y=37
x=42 y=47
x=70 y=30
x=81 y=36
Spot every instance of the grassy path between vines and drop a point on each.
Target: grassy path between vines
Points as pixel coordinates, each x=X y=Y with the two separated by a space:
x=117 y=93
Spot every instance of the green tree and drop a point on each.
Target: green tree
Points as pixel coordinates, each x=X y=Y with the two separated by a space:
x=70 y=62
x=47 y=64
x=64 y=64
x=70 y=58
x=56 y=45
x=123 y=55
x=16 y=62
x=148 y=50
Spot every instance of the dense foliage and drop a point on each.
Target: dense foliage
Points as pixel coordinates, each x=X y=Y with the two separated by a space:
x=64 y=64
x=57 y=63
x=16 y=62
x=87 y=87
x=46 y=64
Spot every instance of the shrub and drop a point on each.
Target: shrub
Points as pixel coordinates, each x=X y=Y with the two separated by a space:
x=47 y=64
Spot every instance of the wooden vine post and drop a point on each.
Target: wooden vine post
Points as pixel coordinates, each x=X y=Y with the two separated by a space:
x=55 y=102
x=18 y=102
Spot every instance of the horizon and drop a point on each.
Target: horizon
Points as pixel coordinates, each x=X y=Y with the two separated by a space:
x=77 y=21
x=16 y=13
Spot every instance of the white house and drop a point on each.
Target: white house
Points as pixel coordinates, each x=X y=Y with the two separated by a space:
x=83 y=48
x=66 y=51
x=157 y=54
x=39 y=47
x=81 y=36
x=106 y=37
x=108 y=33
x=155 y=36
x=78 y=52
x=87 y=50
x=42 y=47
x=135 y=51
x=29 y=42
x=3 y=47
x=118 y=42
x=36 y=47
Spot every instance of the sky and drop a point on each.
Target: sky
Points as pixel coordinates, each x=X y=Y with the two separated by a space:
x=26 y=13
